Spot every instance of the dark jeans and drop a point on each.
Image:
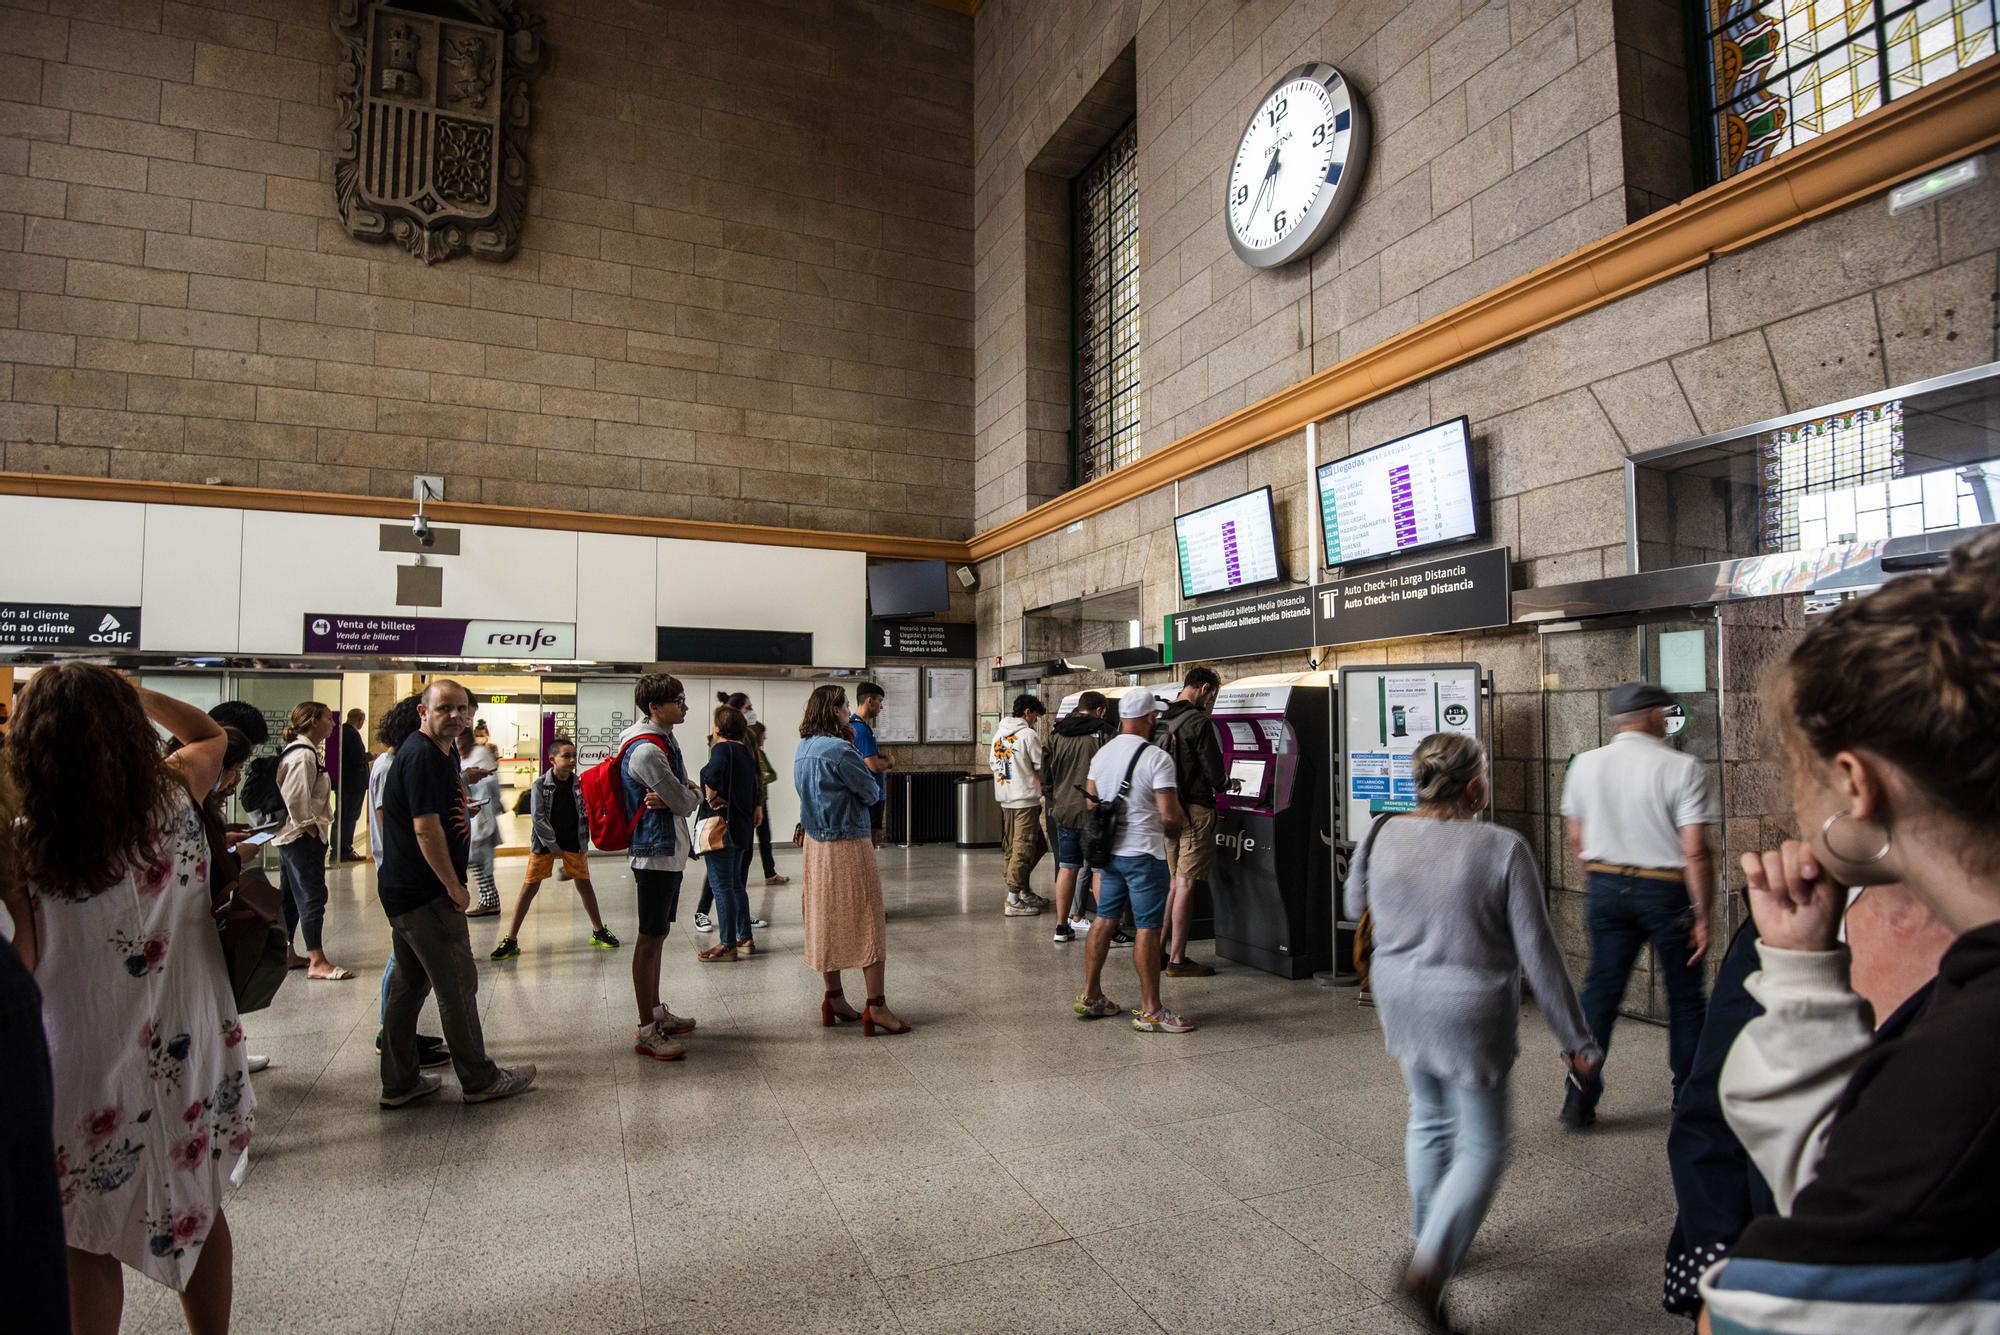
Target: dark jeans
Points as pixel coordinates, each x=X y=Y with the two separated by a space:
x=1625 y=913
x=727 y=868
x=433 y=948
x=302 y=876
x=764 y=845
x=31 y=1217
x=350 y=812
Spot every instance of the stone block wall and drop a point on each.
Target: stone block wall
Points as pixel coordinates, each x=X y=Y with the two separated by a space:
x=744 y=291
x=1502 y=132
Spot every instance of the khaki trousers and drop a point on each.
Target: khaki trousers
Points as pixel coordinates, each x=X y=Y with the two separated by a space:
x=1022 y=844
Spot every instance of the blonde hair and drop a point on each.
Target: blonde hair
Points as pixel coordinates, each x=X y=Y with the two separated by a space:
x=304 y=716
x=1445 y=765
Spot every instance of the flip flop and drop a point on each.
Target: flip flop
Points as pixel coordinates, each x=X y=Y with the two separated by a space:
x=339 y=975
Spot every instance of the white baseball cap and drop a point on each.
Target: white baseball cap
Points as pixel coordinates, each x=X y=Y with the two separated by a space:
x=1137 y=704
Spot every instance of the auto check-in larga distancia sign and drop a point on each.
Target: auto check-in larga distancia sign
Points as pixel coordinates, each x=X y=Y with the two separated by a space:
x=437 y=637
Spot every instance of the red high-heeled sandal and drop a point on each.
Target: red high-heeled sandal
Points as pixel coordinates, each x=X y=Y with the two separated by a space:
x=829 y=1017
x=870 y=1026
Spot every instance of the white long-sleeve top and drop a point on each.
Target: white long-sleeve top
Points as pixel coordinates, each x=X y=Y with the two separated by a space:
x=308 y=794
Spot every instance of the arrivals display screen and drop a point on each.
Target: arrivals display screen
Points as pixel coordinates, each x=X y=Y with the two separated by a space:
x=1403 y=496
x=1228 y=545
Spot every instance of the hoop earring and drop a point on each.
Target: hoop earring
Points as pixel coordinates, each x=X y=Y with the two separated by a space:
x=1826 y=837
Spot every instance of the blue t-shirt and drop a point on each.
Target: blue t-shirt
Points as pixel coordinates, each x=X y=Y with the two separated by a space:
x=864 y=742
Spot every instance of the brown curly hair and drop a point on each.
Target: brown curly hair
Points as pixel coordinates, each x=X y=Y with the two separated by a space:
x=90 y=778
x=1912 y=673
x=821 y=718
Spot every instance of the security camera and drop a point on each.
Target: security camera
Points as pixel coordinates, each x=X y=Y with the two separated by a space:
x=420 y=529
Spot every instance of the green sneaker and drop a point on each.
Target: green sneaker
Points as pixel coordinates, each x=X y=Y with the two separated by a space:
x=506 y=950
x=603 y=940
x=1094 y=1008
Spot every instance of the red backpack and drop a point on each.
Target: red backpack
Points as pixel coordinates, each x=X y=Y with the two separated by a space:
x=603 y=789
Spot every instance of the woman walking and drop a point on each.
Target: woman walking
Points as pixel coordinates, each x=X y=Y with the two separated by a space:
x=482 y=805
x=729 y=783
x=153 y=1106
x=840 y=896
x=301 y=844
x=1458 y=914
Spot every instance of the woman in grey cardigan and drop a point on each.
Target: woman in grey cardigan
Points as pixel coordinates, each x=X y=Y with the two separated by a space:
x=1458 y=915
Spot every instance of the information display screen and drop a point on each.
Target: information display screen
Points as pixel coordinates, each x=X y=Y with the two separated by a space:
x=1228 y=545
x=1246 y=778
x=1399 y=497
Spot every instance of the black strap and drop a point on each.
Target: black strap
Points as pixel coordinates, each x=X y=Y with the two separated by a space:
x=1126 y=783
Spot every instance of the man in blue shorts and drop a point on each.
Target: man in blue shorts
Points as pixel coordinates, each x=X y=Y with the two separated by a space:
x=1132 y=767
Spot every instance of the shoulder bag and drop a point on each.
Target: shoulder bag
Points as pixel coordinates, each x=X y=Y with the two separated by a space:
x=1106 y=817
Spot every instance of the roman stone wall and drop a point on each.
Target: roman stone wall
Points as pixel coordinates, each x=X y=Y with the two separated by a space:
x=744 y=290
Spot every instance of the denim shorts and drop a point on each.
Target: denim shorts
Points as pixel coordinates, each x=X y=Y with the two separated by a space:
x=1137 y=879
x=1069 y=847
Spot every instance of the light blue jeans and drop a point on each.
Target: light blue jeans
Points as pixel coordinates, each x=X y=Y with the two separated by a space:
x=1455 y=1152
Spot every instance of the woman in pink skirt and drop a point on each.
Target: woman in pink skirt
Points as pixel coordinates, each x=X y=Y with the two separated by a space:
x=841 y=899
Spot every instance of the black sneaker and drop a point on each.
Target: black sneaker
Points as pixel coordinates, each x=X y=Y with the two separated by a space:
x=1121 y=939
x=1579 y=1108
x=1063 y=934
x=431 y=1050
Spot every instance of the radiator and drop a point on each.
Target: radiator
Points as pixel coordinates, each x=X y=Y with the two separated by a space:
x=922 y=807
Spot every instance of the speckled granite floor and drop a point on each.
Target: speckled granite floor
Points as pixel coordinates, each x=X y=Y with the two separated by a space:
x=1005 y=1168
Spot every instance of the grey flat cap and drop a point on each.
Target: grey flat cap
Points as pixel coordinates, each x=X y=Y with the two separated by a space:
x=1634 y=696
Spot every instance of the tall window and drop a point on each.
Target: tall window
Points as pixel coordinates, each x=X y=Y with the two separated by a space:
x=1781 y=72
x=1106 y=302
x=1809 y=466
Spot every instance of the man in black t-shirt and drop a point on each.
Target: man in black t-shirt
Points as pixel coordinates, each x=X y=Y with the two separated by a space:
x=556 y=831
x=425 y=841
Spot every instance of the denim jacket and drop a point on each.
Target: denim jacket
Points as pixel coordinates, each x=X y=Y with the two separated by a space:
x=659 y=833
x=836 y=789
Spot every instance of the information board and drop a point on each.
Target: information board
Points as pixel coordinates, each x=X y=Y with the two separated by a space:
x=1228 y=545
x=901 y=688
x=948 y=704
x=68 y=626
x=1399 y=497
x=1385 y=712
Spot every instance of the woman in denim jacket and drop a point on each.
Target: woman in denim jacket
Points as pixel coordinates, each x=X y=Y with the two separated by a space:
x=841 y=895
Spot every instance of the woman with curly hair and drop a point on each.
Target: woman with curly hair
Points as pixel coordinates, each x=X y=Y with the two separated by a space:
x=153 y=1109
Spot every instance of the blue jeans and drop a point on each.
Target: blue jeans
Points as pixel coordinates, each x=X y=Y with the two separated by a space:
x=1138 y=879
x=1454 y=1152
x=1625 y=913
x=302 y=876
x=726 y=869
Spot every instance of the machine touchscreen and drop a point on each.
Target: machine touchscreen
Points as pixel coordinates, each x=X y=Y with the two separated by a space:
x=1246 y=778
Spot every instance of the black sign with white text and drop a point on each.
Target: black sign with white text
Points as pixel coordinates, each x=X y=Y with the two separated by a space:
x=90 y=626
x=922 y=639
x=1266 y=623
x=1454 y=593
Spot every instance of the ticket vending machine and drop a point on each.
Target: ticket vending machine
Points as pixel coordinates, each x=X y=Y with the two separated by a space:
x=1273 y=878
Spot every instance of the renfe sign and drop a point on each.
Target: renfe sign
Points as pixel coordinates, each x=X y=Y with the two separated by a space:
x=437 y=637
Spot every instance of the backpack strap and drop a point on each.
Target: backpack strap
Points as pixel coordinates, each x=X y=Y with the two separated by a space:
x=639 y=812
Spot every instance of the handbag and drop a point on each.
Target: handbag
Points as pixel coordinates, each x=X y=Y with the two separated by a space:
x=710 y=834
x=248 y=912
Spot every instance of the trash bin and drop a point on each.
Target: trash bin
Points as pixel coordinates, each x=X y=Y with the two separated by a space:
x=978 y=812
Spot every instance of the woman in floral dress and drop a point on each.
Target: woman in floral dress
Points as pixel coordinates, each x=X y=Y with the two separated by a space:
x=152 y=1100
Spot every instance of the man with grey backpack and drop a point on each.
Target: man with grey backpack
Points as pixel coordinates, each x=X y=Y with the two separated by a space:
x=1135 y=809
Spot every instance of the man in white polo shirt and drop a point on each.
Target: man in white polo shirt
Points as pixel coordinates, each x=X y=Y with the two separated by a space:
x=1638 y=813
x=1132 y=767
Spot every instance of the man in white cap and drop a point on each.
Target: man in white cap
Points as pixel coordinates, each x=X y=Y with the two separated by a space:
x=1139 y=776
x=1638 y=813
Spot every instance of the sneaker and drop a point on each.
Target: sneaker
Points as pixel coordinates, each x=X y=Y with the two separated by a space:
x=1121 y=940
x=1081 y=926
x=431 y=1050
x=426 y=1085
x=703 y=923
x=1189 y=969
x=650 y=1042
x=1365 y=998
x=506 y=950
x=756 y=923
x=1019 y=907
x=1064 y=934
x=483 y=911
x=257 y=1064
x=602 y=939
x=776 y=879
x=1094 y=1008
x=1161 y=1021
x=671 y=1024
x=1034 y=899
x=513 y=1080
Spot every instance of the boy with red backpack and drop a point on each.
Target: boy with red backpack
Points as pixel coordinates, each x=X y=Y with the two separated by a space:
x=639 y=799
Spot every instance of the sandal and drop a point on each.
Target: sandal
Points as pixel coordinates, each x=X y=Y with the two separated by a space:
x=829 y=1017
x=777 y=880
x=717 y=955
x=339 y=975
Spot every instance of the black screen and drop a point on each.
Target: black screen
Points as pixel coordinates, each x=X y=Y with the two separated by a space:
x=907 y=588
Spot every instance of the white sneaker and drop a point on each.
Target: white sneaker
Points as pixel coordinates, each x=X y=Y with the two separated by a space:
x=759 y=923
x=257 y=1064
x=703 y=923
x=1018 y=907
x=1079 y=925
x=513 y=1080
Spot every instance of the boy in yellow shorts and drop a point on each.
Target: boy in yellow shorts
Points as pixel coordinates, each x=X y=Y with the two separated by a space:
x=556 y=827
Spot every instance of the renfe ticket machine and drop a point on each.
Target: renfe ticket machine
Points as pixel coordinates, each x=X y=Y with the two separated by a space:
x=1273 y=879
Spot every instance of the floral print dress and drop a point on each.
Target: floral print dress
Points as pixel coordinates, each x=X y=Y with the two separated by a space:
x=153 y=1108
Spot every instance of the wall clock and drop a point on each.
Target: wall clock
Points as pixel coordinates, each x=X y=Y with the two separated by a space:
x=1298 y=166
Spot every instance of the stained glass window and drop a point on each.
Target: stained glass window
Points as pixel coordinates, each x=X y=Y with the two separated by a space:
x=1106 y=209
x=1805 y=465
x=1781 y=72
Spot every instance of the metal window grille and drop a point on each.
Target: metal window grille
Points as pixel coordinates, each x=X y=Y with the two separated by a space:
x=1805 y=463
x=1781 y=72
x=1106 y=301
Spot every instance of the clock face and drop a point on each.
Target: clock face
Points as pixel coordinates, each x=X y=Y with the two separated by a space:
x=1297 y=168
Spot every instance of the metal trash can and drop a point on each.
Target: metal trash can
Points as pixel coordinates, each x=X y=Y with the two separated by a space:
x=978 y=812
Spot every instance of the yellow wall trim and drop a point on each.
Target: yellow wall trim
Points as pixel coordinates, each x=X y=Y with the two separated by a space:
x=460 y=512
x=1938 y=124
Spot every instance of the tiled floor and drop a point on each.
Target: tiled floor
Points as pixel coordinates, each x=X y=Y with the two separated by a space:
x=1005 y=1168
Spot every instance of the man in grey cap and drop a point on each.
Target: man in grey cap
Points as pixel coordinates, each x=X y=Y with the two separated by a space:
x=1638 y=813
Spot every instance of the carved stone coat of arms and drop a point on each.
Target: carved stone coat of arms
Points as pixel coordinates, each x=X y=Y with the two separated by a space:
x=433 y=116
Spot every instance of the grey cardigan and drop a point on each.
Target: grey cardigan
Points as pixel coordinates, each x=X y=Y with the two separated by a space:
x=1458 y=915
